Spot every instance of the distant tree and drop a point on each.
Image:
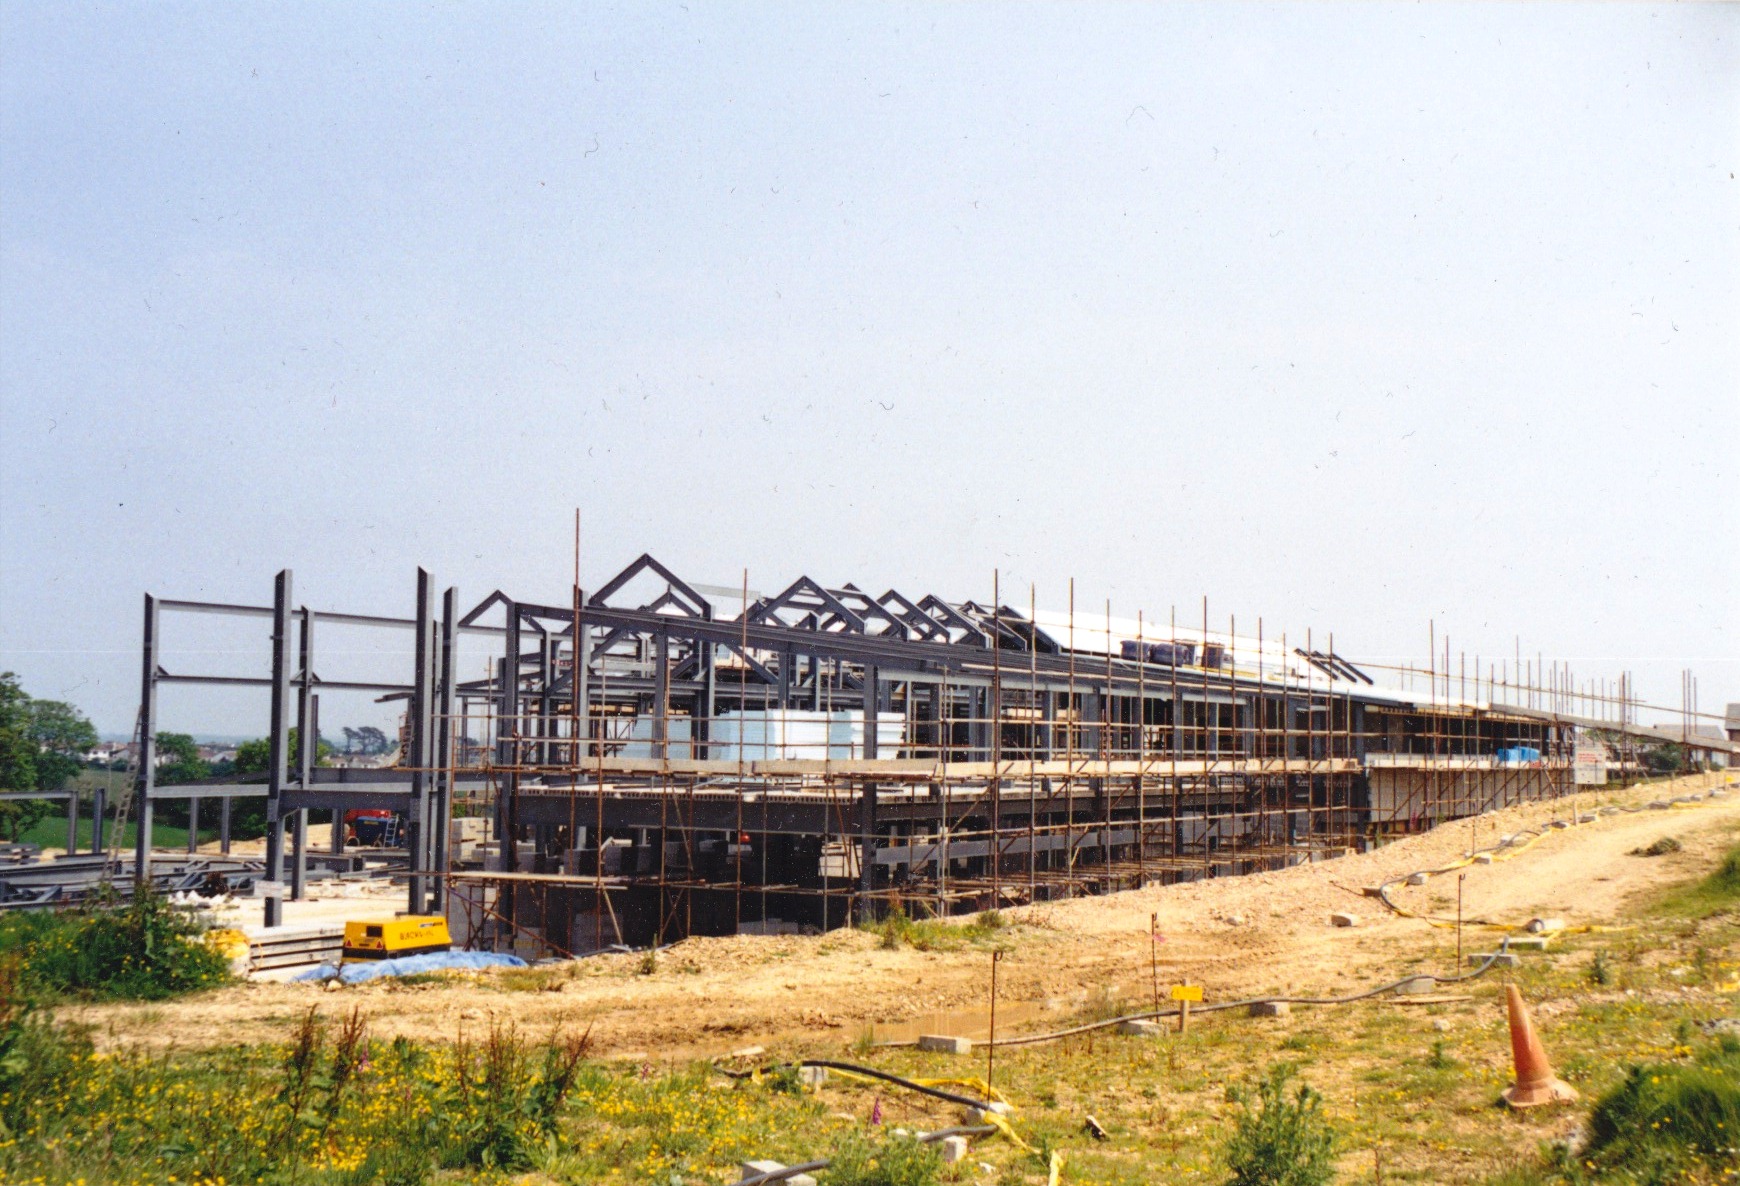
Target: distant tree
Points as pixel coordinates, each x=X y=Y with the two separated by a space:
x=367 y=741
x=17 y=754
x=63 y=735
x=255 y=757
x=1667 y=757
x=252 y=757
x=181 y=760
x=17 y=759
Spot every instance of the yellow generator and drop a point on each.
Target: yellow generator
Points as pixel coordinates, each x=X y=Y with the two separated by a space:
x=390 y=938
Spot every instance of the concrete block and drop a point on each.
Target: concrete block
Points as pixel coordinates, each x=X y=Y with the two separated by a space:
x=1530 y=942
x=1343 y=920
x=1659 y=805
x=1271 y=1009
x=944 y=1044
x=812 y=1077
x=1141 y=1029
x=1503 y=959
x=1418 y=879
x=1483 y=858
x=1417 y=986
x=953 y=1149
x=1545 y=926
x=754 y=1169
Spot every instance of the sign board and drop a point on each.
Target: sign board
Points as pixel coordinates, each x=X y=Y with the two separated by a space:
x=1589 y=766
x=268 y=889
x=1187 y=992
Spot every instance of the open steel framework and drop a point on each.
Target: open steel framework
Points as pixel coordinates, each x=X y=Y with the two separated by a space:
x=652 y=769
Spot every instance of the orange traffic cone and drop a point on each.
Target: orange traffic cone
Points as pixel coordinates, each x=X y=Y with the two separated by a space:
x=1535 y=1082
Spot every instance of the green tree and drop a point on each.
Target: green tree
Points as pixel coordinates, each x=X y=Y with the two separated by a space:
x=17 y=759
x=17 y=755
x=62 y=735
x=180 y=760
x=253 y=757
x=1667 y=757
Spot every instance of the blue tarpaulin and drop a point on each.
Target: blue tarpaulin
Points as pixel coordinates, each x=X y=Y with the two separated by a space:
x=410 y=965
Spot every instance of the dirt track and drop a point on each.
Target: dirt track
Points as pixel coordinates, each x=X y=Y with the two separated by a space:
x=1237 y=937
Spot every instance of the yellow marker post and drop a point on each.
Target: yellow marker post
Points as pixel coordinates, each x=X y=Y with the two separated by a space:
x=1184 y=994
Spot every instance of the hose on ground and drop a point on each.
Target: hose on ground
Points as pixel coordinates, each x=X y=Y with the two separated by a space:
x=923 y=1138
x=780 y=1175
x=871 y=1072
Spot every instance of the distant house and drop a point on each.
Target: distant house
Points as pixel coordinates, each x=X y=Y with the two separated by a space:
x=1731 y=722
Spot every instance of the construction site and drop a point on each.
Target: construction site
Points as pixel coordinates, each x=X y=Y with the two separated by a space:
x=633 y=766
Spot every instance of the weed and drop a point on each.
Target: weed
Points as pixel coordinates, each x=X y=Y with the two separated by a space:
x=897 y=928
x=860 y=1160
x=1600 y=972
x=37 y=1058
x=1666 y=1117
x=143 y=950
x=1660 y=848
x=1285 y=1140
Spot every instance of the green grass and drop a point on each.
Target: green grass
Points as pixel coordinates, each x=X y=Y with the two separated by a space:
x=1670 y=1120
x=1715 y=894
x=897 y=929
x=51 y=833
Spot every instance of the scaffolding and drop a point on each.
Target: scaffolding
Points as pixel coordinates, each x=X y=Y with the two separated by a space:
x=650 y=769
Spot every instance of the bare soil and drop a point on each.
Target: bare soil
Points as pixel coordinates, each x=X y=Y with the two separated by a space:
x=1237 y=937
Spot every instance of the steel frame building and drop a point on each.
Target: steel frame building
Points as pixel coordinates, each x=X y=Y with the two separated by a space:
x=652 y=769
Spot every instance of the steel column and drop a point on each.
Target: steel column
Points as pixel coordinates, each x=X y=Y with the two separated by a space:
x=440 y=837
x=278 y=748
x=307 y=742
x=417 y=825
x=146 y=781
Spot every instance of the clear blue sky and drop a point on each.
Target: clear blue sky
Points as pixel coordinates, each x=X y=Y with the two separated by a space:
x=1348 y=317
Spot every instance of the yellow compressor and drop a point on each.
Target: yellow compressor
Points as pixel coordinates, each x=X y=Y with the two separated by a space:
x=390 y=938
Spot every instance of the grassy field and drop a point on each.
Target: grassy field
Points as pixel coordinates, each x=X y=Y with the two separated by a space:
x=51 y=833
x=1412 y=1090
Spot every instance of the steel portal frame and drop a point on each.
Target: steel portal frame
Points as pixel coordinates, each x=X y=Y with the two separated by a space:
x=972 y=757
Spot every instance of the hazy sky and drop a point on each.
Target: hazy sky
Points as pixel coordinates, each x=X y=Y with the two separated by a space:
x=1350 y=318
